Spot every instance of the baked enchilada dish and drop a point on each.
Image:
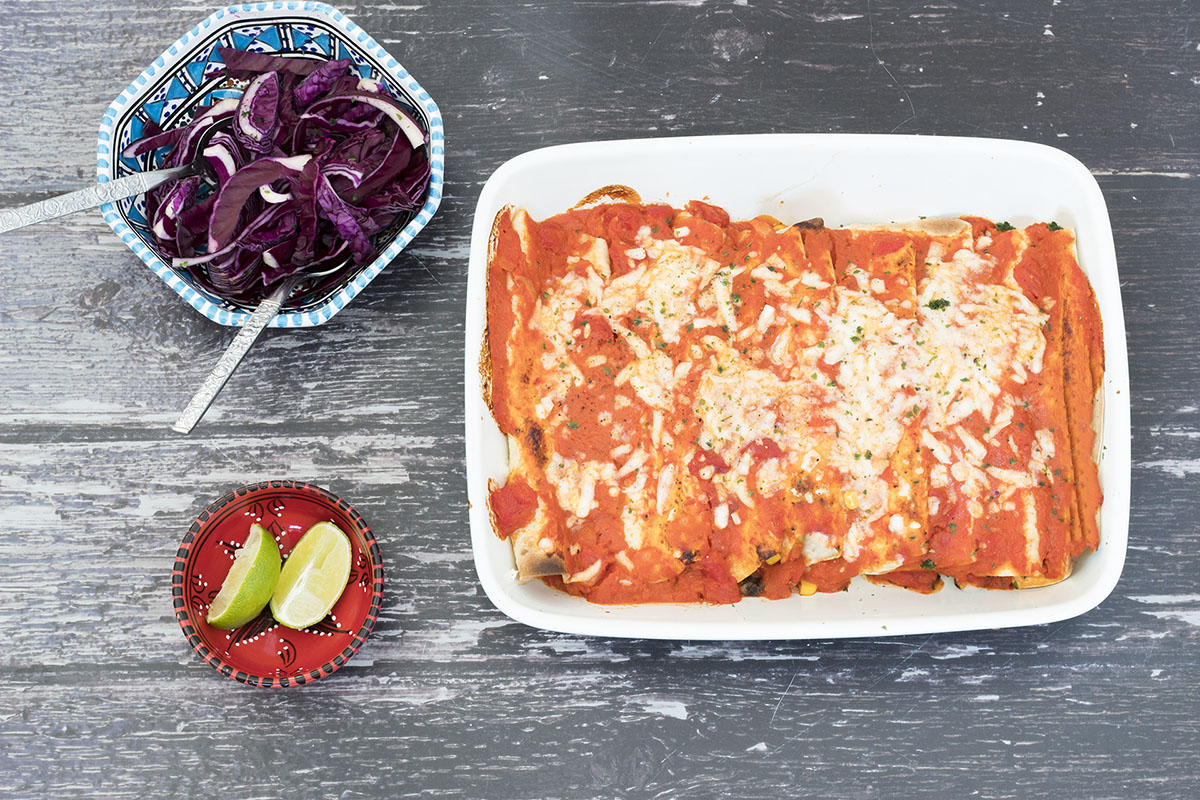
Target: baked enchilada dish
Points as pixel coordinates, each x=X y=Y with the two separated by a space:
x=700 y=409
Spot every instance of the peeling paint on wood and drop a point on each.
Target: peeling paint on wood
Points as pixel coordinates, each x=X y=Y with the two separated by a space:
x=100 y=694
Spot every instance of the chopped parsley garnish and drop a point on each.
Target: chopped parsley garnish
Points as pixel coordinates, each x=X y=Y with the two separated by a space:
x=572 y=425
x=1004 y=227
x=927 y=564
x=1054 y=226
x=938 y=303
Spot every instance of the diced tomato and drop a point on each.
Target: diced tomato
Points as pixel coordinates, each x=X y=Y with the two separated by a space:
x=710 y=213
x=707 y=458
x=779 y=579
x=763 y=448
x=553 y=238
x=514 y=505
x=719 y=585
x=701 y=233
x=621 y=225
x=599 y=330
x=830 y=576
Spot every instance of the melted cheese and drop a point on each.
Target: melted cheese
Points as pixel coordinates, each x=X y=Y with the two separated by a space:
x=819 y=386
x=945 y=366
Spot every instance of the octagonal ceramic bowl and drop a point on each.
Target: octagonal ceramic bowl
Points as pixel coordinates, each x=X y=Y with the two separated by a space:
x=186 y=75
x=262 y=652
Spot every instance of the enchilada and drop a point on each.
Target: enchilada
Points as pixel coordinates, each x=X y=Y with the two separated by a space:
x=701 y=409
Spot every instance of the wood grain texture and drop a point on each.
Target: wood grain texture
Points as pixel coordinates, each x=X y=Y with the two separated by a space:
x=99 y=693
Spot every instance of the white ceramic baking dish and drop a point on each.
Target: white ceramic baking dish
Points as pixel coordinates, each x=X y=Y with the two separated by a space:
x=845 y=179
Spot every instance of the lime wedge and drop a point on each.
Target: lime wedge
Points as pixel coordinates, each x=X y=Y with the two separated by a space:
x=248 y=586
x=313 y=577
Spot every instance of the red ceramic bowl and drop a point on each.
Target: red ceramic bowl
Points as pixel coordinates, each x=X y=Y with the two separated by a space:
x=262 y=652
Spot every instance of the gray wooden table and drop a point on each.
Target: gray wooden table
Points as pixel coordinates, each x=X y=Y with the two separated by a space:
x=99 y=692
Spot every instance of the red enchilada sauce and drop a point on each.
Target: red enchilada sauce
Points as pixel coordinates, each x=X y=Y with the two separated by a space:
x=685 y=556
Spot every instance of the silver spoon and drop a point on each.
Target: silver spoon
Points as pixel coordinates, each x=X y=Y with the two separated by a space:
x=101 y=193
x=233 y=355
x=90 y=197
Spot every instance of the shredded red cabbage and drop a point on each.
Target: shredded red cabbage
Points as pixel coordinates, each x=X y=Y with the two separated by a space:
x=305 y=169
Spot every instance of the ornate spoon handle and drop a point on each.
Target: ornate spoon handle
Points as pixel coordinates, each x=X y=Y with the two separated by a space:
x=90 y=197
x=232 y=356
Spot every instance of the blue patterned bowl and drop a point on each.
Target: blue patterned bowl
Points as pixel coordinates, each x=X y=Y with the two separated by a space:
x=169 y=90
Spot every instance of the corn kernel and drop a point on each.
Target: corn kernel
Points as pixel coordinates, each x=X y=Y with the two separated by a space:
x=773 y=559
x=807 y=589
x=850 y=501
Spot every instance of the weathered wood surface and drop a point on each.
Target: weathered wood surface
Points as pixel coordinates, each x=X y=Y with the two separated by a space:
x=99 y=693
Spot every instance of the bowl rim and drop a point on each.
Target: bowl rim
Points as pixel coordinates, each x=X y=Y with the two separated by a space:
x=357 y=37
x=196 y=641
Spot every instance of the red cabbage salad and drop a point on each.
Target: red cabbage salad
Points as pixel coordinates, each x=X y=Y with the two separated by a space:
x=299 y=174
